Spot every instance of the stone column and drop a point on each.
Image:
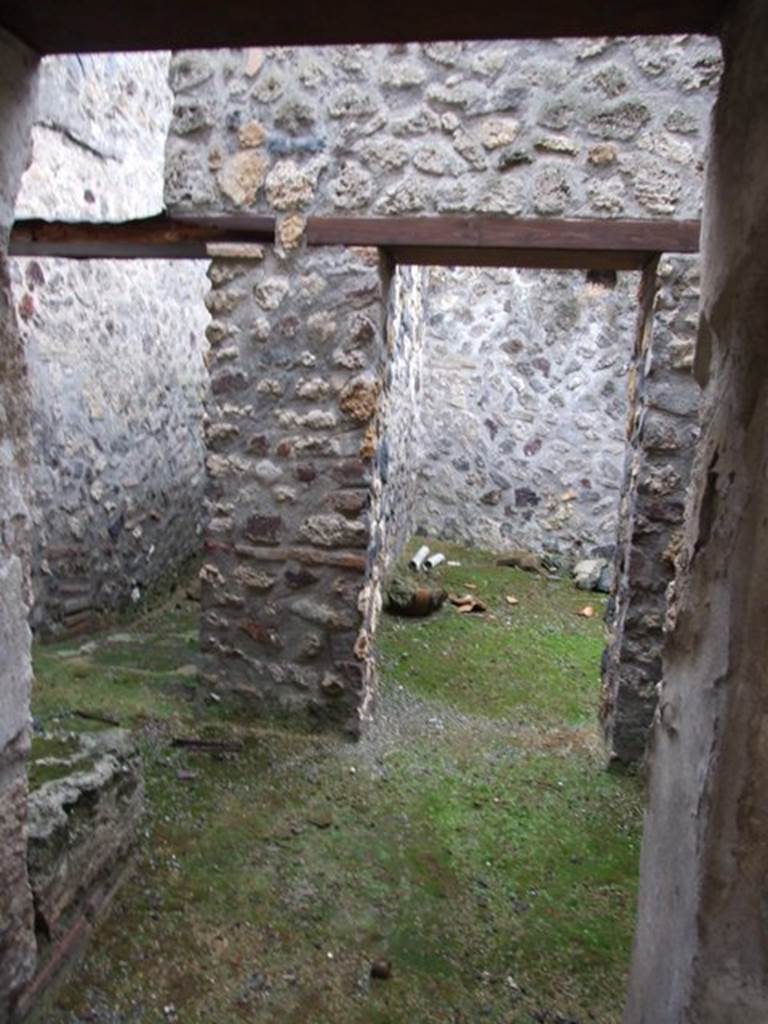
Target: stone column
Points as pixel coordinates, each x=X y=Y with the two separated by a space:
x=662 y=431
x=701 y=949
x=17 y=942
x=296 y=364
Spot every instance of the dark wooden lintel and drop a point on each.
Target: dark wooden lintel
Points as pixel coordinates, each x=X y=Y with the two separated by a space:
x=512 y=233
x=539 y=259
x=440 y=241
x=80 y=26
x=160 y=237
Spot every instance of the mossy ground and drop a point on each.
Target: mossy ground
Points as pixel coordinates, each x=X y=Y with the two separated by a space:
x=473 y=838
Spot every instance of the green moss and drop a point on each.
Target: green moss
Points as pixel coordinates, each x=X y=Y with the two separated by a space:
x=536 y=661
x=474 y=838
x=55 y=757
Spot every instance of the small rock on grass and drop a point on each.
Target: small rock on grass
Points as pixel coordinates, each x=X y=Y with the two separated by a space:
x=587 y=612
x=381 y=969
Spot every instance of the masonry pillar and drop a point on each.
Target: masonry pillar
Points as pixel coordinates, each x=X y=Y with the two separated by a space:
x=662 y=431
x=293 y=480
x=701 y=950
x=17 y=943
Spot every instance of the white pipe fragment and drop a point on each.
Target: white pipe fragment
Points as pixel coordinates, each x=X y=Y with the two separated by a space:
x=418 y=559
x=433 y=561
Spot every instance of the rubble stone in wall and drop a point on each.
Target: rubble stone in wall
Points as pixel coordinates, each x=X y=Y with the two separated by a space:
x=523 y=406
x=86 y=804
x=118 y=380
x=564 y=128
x=291 y=468
x=519 y=128
x=115 y=351
x=663 y=430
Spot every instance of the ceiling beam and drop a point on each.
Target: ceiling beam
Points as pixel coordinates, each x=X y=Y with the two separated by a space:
x=81 y=26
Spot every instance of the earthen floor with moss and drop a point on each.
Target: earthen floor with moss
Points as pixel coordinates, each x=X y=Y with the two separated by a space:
x=473 y=838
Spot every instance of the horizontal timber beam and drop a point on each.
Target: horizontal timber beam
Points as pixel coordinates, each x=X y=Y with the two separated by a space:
x=160 y=237
x=536 y=259
x=81 y=26
x=439 y=241
x=483 y=232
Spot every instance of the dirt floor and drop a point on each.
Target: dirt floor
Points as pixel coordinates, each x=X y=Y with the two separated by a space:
x=474 y=840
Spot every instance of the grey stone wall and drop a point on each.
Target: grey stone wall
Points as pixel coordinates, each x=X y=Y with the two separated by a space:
x=662 y=433
x=565 y=127
x=17 y=943
x=295 y=380
x=116 y=353
x=523 y=408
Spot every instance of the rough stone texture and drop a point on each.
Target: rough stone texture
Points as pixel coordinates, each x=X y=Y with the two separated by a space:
x=290 y=473
x=701 y=945
x=115 y=349
x=578 y=127
x=523 y=409
x=17 y=944
x=564 y=128
x=662 y=433
x=83 y=825
x=401 y=452
x=97 y=142
x=118 y=380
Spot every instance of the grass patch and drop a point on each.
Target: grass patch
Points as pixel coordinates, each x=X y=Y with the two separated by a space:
x=536 y=662
x=474 y=838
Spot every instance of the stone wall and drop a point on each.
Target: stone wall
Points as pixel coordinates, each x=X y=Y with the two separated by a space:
x=17 y=943
x=702 y=944
x=565 y=127
x=401 y=451
x=295 y=380
x=86 y=806
x=115 y=349
x=524 y=404
x=662 y=432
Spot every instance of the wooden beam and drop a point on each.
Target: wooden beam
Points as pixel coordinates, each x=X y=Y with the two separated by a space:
x=507 y=233
x=81 y=26
x=541 y=259
x=437 y=241
x=161 y=237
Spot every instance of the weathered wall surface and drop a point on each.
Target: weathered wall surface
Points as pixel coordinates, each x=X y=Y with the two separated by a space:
x=524 y=405
x=295 y=380
x=592 y=128
x=579 y=127
x=662 y=432
x=701 y=945
x=86 y=805
x=17 y=944
x=401 y=451
x=115 y=349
